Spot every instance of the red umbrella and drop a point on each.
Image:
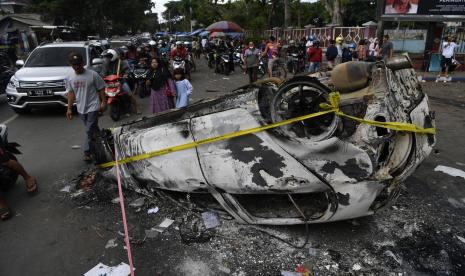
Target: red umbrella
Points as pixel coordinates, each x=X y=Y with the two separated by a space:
x=224 y=26
x=217 y=34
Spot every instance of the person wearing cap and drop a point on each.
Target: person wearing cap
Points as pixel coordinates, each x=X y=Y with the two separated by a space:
x=87 y=89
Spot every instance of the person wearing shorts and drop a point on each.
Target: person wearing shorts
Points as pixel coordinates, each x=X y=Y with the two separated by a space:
x=7 y=160
x=272 y=53
x=448 y=49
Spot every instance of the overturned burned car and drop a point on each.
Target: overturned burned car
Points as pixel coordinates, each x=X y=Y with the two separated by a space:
x=322 y=169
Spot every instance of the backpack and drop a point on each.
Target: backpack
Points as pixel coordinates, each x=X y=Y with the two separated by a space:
x=346 y=55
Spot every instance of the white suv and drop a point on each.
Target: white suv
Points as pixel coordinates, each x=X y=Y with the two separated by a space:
x=41 y=80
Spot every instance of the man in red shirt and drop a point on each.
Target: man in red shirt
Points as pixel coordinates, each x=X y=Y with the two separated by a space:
x=315 y=56
x=179 y=51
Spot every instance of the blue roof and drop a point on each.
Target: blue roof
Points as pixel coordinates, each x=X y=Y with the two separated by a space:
x=196 y=32
x=204 y=33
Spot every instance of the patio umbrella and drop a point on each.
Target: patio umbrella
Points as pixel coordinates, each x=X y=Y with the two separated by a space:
x=217 y=34
x=224 y=26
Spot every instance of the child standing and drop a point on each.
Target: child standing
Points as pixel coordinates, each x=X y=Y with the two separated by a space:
x=183 y=88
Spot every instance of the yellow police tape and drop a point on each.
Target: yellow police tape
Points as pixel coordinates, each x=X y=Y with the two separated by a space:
x=332 y=107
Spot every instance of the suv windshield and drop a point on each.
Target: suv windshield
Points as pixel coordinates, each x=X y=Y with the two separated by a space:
x=52 y=56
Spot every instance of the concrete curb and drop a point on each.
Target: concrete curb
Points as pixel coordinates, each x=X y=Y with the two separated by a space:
x=442 y=79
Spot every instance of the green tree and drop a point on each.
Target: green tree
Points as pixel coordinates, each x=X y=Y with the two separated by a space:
x=96 y=16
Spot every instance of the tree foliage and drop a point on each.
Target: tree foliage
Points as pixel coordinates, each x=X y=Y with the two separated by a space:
x=98 y=16
x=249 y=14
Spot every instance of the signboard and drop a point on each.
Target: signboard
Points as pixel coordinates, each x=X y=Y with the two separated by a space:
x=424 y=9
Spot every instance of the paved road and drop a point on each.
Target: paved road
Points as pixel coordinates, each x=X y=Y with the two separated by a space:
x=47 y=237
x=50 y=235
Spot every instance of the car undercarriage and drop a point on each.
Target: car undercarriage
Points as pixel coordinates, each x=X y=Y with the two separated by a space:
x=322 y=169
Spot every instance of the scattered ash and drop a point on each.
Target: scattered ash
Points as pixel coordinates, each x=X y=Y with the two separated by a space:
x=417 y=236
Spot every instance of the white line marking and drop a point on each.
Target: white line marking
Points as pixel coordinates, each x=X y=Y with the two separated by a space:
x=11 y=119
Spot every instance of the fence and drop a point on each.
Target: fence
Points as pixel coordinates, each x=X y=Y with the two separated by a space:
x=323 y=34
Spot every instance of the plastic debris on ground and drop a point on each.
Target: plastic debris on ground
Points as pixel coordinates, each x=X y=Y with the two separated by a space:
x=151 y=233
x=115 y=200
x=162 y=226
x=461 y=239
x=137 y=203
x=450 y=171
x=66 y=189
x=88 y=181
x=153 y=210
x=111 y=244
x=76 y=147
x=210 y=220
x=99 y=270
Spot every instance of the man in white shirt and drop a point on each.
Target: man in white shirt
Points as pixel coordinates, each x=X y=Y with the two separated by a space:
x=448 y=48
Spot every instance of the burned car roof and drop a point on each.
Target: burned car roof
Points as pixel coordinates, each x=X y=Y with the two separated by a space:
x=317 y=170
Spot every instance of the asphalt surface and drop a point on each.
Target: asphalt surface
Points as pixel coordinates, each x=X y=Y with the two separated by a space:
x=45 y=237
x=53 y=235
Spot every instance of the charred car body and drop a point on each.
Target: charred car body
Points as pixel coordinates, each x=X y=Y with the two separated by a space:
x=323 y=169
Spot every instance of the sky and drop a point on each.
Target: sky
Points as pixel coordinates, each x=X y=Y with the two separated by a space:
x=160 y=6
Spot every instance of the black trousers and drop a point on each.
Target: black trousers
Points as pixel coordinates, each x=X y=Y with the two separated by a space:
x=252 y=72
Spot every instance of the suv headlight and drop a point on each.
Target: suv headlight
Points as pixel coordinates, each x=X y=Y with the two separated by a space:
x=14 y=82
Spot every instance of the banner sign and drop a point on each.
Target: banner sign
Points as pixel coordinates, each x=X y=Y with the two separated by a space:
x=425 y=7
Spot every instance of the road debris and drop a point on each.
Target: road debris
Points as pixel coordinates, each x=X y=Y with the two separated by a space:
x=153 y=210
x=66 y=189
x=151 y=233
x=111 y=244
x=115 y=200
x=450 y=171
x=461 y=239
x=138 y=202
x=103 y=270
x=162 y=226
x=75 y=147
x=210 y=220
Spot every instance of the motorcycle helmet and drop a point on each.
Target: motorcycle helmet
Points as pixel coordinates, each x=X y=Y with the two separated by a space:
x=152 y=43
x=110 y=54
x=339 y=40
x=178 y=44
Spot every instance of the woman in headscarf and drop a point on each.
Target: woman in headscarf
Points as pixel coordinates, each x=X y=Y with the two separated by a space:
x=159 y=78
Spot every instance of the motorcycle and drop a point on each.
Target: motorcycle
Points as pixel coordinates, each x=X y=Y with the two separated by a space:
x=139 y=75
x=237 y=57
x=191 y=61
x=279 y=68
x=116 y=99
x=211 y=57
x=223 y=66
x=295 y=63
x=8 y=177
x=178 y=62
